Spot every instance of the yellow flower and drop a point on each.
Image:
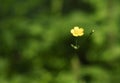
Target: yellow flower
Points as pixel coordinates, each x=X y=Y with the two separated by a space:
x=76 y=31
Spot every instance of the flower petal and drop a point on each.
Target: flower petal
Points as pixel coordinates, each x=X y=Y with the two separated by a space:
x=76 y=35
x=81 y=29
x=72 y=31
x=81 y=34
x=76 y=28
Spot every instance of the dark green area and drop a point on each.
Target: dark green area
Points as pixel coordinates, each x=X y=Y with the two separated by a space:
x=35 y=41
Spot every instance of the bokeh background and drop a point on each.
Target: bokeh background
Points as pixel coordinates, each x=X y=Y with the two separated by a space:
x=35 y=41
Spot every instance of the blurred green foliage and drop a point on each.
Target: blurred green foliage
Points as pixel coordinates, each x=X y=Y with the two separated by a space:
x=35 y=41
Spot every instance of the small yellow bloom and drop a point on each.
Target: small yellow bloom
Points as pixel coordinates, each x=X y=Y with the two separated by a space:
x=76 y=31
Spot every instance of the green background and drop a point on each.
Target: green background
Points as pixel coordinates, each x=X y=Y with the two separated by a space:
x=35 y=41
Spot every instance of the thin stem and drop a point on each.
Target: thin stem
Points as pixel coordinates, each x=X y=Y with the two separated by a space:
x=90 y=35
x=76 y=43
